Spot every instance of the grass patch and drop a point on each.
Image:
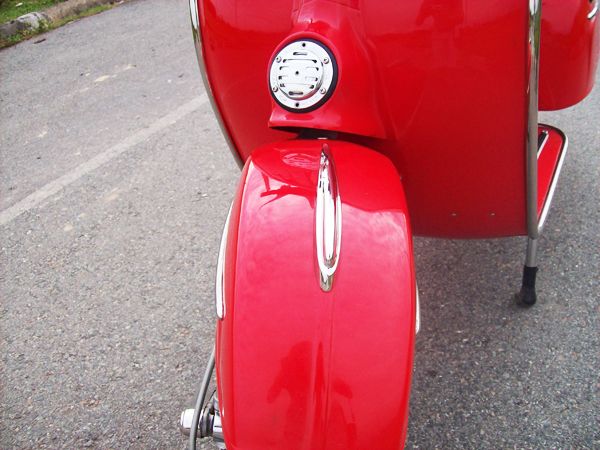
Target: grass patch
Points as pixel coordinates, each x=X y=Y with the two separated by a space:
x=9 y=9
x=16 y=38
x=88 y=12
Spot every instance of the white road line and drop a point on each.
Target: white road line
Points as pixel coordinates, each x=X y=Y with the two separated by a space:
x=128 y=143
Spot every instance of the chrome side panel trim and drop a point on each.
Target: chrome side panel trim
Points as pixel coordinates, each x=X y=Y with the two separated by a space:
x=197 y=33
x=328 y=220
x=535 y=13
x=554 y=182
x=220 y=279
x=418 y=311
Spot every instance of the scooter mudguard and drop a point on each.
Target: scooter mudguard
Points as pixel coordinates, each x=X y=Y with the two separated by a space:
x=314 y=346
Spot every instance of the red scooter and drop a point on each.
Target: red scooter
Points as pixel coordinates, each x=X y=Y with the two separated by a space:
x=359 y=124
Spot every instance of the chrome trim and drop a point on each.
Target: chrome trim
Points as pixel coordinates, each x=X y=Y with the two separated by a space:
x=328 y=220
x=593 y=12
x=220 y=279
x=535 y=13
x=418 y=311
x=210 y=366
x=544 y=135
x=531 y=255
x=554 y=182
x=185 y=421
x=195 y=19
x=302 y=75
x=210 y=425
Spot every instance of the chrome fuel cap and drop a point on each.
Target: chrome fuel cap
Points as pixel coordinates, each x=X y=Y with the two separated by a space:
x=303 y=75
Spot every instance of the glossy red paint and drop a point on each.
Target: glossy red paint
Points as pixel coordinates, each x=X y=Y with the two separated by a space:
x=406 y=70
x=548 y=158
x=570 y=45
x=297 y=367
x=440 y=89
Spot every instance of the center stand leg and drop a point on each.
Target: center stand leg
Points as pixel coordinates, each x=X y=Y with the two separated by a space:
x=527 y=295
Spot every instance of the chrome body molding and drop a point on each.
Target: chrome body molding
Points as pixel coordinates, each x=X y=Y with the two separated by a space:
x=197 y=33
x=532 y=241
x=328 y=220
x=220 y=280
x=553 y=183
x=535 y=15
x=418 y=311
x=594 y=11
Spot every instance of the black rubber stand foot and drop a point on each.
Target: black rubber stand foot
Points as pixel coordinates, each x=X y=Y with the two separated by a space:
x=527 y=295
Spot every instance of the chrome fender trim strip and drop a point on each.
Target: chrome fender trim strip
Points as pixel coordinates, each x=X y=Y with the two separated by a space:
x=220 y=279
x=328 y=220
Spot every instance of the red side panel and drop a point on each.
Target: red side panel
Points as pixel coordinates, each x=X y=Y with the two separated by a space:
x=570 y=44
x=238 y=38
x=438 y=86
x=300 y=368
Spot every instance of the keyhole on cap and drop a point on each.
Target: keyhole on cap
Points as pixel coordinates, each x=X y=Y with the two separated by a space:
x=297 y=73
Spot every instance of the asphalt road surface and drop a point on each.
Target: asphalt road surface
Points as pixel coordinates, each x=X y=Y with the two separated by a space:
x=115 y=183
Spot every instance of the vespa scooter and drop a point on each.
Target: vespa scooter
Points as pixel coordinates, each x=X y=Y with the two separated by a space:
x=358 y=123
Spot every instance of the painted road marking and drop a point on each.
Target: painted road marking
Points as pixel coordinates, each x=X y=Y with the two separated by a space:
x=128 y=143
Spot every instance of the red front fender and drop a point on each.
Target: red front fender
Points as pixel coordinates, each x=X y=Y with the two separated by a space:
x=299 y=367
